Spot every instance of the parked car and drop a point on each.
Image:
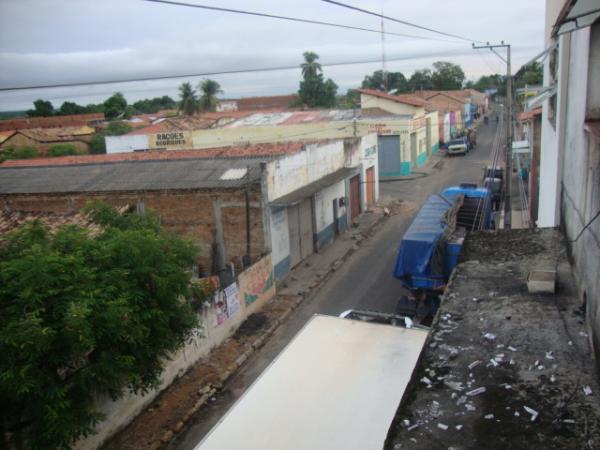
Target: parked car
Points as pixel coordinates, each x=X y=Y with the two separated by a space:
x=458 y=146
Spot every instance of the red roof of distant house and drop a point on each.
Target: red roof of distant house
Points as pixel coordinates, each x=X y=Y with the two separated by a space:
x=74 y=120
x=407 y=99
x=527 y=115
x=271 y=149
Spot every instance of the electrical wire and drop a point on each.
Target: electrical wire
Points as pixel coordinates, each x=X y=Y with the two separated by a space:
x=201 y=74
x=293 y=19
x=404 y=22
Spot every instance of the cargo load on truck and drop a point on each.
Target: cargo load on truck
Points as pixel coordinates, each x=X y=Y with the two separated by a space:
x=337 y=385
x=431 y=246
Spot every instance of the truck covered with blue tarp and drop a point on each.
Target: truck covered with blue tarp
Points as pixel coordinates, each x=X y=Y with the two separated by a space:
x=431 y=246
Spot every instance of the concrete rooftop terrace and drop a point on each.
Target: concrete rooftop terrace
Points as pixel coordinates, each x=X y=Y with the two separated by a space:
x=504 y=368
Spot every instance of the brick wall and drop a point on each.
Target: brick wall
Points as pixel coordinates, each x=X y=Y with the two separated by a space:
x=186 y=212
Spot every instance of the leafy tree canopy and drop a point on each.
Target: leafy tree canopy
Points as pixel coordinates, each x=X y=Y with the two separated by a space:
x=62 y=150
x=189 y=100
x=23 y=152
x=314 y=90
x=532 y=74
x=115 y=106
x=208 y=99
x=447 y=76
x=420 y=80
x=392 y=81
x=70 y=108
x=153 y=105
x=86 y=312
x=41 y=108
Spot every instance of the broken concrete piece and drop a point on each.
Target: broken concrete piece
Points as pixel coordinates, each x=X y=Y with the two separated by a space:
x=587 y=390
x=442 y=426
x=489 y=337
x=426 y=380
x=479 y=390
x=455 y=385
x=549 y=355
x=531 y=411
x=474 y=364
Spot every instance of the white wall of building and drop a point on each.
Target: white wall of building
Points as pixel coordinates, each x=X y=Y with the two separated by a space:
x=126 y=143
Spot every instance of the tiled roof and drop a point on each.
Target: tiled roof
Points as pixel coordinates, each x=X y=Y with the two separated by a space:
x=427 y=95
x=4 y=135
x=254 y=150
x=56 y=134
x=184 y=123
x=530 y=114
x=10 y=221
x=50 y=122
x=407 y=99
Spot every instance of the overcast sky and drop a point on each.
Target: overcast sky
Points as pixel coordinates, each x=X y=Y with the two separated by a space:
x=62 y=41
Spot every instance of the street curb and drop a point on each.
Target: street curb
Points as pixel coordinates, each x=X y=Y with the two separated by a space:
x=260 y=341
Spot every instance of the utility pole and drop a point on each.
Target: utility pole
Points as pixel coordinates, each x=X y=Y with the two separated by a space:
x=509 y=127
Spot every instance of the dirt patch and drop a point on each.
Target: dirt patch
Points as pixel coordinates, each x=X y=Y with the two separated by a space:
x=252 y=325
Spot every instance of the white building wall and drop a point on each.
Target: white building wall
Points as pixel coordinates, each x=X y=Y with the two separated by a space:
x=368 y=158
x=126 y=144
x=553 y=139
x=324 y=212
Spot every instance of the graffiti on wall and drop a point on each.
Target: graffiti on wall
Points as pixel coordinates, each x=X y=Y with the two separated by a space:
x=257 y=283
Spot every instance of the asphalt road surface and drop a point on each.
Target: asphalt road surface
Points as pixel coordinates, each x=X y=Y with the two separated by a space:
x=364 y=281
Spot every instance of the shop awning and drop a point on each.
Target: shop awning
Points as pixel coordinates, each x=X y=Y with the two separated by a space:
x=311 y=189
x=582 y=14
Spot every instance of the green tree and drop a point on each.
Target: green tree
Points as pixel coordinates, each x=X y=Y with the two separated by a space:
x=86 y=312
x=208 y=99
x=393 y=81
x=310 y=67
x=62 y=150
x=115 y=106
x=23 y=152
x=42 y=108
x=153 y=105
x=118 y=128
x=97 y=144
x=420 y=80
x=314 y=90
x=447 y=76
x=189 y=103
x=532 y=74
x=70 y=108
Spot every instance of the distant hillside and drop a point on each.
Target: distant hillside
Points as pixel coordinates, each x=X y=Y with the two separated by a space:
x=12 y=114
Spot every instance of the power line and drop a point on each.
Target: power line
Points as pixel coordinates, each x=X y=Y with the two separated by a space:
x=201 y=74
x=410 y=24
x=293 y=19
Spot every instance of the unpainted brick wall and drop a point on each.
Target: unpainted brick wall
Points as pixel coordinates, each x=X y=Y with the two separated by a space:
x=185 y=212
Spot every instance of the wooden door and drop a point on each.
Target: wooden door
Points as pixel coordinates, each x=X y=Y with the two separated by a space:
x=354 y=196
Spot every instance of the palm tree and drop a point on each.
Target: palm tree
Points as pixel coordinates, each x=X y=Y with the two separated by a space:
x=189 y=101
x=208 y=99
x=310 y=66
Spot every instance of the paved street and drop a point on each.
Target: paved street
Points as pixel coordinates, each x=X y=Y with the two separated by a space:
x=363 y=282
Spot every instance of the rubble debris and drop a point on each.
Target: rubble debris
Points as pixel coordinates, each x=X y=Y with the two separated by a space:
x=462 y=399
x=474 y=364
x=549 y=355
x=511 y=348
x=474 y=392
x=406 y=422
x=412 y=427
x=583 y=334
x=470 y=407
x=531 y=411
x=489 y=337
x=488 y=416
x=458 y=427
x=442 y=426
x=587 y=390
x=454 y=385
x=408 y=323
x=568 y=421
x=426 y=381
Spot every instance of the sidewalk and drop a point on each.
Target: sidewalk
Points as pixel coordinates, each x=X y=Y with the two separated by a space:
x=158 y=424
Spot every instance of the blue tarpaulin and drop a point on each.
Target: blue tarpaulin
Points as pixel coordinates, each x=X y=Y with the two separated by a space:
x=420 y=245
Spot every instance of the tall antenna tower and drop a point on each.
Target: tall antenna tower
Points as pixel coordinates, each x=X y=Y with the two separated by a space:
x=383 y=71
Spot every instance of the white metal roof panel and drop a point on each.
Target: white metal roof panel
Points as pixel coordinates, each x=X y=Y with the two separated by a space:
x=337 y=385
